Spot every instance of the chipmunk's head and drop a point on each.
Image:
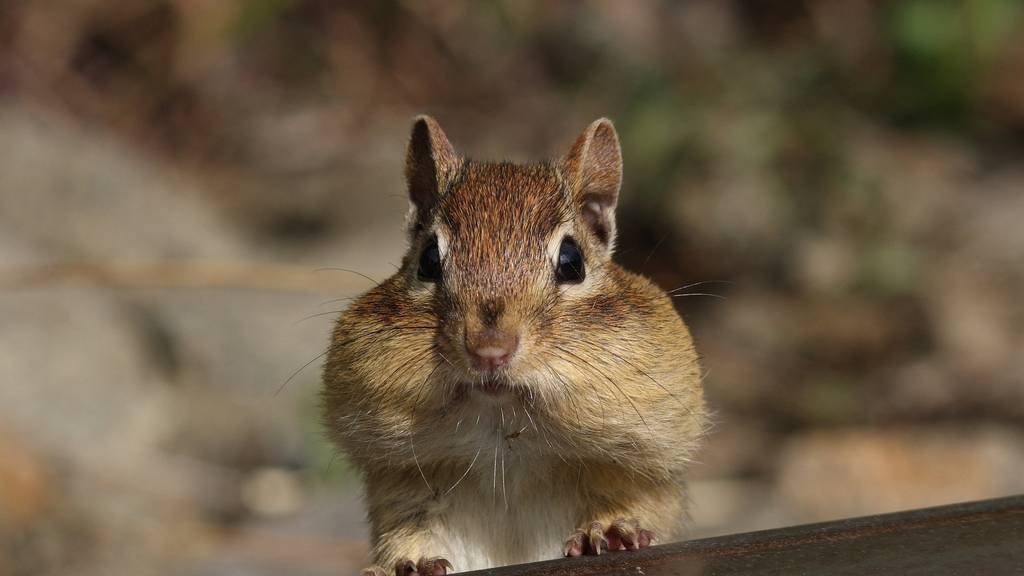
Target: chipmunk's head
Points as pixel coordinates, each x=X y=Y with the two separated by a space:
x=510 y=258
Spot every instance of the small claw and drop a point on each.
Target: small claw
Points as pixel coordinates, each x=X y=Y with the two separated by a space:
x=405 y=568
x=597 y=540
x=436 y=566
x=624 y=534
x=574 y=544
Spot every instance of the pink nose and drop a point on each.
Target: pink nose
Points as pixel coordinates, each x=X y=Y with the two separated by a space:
x=490 y=350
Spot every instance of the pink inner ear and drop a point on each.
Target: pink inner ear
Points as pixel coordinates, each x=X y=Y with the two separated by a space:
x=596 y=216
x=599 y=198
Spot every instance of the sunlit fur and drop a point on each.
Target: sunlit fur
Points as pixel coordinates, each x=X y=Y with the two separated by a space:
x=605 y=409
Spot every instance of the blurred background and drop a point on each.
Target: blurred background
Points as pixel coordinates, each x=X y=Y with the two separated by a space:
x=845 y=176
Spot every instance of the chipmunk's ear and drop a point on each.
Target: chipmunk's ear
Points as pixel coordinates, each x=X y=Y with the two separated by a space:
x=593 y=171
x=430 y=164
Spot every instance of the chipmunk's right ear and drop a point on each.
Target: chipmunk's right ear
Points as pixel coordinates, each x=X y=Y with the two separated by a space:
x=593 y=172
x=430 y=164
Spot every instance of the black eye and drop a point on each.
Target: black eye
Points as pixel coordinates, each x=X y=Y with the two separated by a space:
x=430 y=263
x=570 y=263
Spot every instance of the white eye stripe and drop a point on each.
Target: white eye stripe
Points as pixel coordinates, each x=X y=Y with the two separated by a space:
x=442 y=242
x=555 y=242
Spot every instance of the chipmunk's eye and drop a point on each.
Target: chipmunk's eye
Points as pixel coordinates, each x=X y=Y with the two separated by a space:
x=430 y=263
x=570 y=263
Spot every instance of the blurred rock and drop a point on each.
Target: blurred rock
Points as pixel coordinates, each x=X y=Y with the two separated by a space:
x=79 y=194
x=106 y=413
x=825 y=264
x=25 y=483
x=736 y=446
x=922 y=388
x=711 y=28
x=100 y=359
x=727 y=506
x=325 y=536
x=989 y=229
x=848 y=27
x=834 y=474
x=272 y=492
x=974 y=320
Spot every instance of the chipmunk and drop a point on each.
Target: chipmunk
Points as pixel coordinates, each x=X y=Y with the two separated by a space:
x=511 y=394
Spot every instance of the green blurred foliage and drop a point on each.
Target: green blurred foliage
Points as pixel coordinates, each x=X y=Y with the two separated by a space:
x=942 y=48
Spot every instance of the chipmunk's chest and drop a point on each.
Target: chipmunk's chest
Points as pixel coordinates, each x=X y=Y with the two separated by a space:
x=493 y=433
x=498 y=525
x=510 y=505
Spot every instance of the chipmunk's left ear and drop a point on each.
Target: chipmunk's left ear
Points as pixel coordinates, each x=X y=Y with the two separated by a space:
x=593 y=171
x=431 y=165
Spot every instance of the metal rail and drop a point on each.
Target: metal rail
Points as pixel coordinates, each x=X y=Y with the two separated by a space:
x=975 y=538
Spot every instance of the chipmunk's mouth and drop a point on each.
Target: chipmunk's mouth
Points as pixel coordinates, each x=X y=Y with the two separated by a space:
x=493 y=387
x=488 y=386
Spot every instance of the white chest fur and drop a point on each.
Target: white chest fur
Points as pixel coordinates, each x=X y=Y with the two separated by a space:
x=478 y=531
x=506 y=510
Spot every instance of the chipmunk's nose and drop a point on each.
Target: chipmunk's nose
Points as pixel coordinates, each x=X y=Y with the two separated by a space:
x=490 y=349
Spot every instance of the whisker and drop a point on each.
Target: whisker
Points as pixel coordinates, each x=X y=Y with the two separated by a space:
x=719 y=296
x=571 y=397
x=612 y=382
x=317 y=315
x=420 y=468
x=422 y=388
x=300 y=369
x=525 y=410
x=357 y=337
x=412 y=436
x=404 y=368
x=653 y=250
x=617 y=387
x=494 y=478
x=335 y=300
x=701 y=283
x=327 y=469
x=349 y=270
x=625 y=360
x=567 y=392
x=464 y=474
x=504 y=492
x=374 y=332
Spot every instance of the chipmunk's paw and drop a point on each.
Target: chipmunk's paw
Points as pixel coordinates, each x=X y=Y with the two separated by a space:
x=588 y=540
x=628 y=535
x=621 y=535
